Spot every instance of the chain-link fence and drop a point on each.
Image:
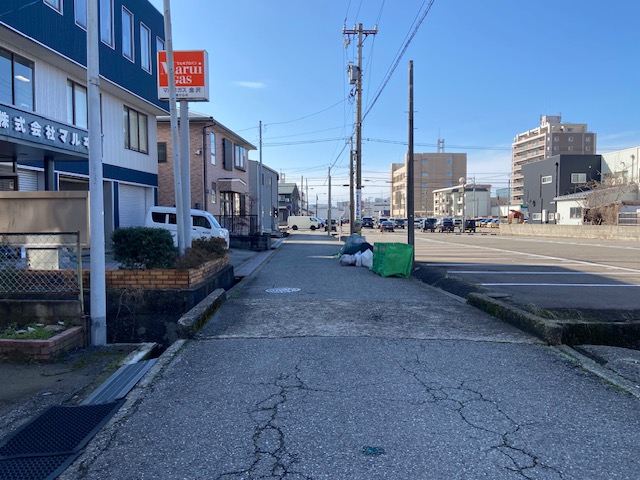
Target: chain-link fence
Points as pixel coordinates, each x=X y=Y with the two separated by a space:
x=40 y=263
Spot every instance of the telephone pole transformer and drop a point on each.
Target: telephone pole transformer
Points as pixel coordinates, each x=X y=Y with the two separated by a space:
x=355 y=76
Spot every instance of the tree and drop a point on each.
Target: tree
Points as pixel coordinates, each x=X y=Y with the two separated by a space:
x=603 y=198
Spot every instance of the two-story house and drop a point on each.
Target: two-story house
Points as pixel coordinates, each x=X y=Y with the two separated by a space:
x=218 y=160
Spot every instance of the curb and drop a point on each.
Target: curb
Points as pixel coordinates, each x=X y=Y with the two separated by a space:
x=195 y=318
x=548 y=330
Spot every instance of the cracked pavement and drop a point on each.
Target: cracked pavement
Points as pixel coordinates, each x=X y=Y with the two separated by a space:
x=303 y=385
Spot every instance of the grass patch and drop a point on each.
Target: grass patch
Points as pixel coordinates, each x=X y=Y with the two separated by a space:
x=34 y=331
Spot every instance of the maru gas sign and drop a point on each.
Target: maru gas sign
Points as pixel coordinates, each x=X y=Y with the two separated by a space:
x=191 y=70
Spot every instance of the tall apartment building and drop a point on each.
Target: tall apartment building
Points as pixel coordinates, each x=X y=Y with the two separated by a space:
x=552 y=137
x=432 y=171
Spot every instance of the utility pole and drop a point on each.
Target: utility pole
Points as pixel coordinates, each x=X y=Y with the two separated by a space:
x=260 y=184
x=358 y=81
x=329 y=205
x=96 y=199
x=410 y=165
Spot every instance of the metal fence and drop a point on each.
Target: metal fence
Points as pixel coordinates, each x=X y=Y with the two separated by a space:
x=629 y=218
x=240 y=224
x=40 y=263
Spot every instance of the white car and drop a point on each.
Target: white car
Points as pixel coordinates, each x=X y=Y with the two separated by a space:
x=203 y=223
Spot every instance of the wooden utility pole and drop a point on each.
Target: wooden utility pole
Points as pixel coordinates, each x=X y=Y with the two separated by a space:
x=358 y=151
x=410 y=165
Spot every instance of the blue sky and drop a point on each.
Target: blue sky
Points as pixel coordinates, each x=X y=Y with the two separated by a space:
x=483 y=72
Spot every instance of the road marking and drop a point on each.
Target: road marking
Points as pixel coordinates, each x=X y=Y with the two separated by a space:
x=557 y=285
x=494 y=272
x=545 y=257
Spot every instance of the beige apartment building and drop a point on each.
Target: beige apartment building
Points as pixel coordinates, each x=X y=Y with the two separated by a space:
x=552 y=137
x=432 y=171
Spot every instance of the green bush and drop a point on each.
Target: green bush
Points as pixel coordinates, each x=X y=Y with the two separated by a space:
x=144 y=247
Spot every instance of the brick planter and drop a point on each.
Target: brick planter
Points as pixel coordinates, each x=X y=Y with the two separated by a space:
x=161 y=279
x=42 y=350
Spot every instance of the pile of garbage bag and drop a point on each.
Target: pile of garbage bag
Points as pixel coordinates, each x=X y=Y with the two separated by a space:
x=356 y=251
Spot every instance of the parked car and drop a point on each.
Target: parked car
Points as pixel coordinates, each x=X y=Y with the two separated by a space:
x=386 y=225
x=203 y=223
x=399 y=223
x=495 y=223
x=484 y=222
x=428 y=224
x=470 y=225
x=367 y=222
x=446 y=225
x=380 y=220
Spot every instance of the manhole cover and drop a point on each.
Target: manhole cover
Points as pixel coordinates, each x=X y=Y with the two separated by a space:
x=282 y=290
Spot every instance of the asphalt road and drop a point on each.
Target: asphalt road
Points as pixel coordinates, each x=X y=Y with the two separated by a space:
x=312 y=370
x=547 y=272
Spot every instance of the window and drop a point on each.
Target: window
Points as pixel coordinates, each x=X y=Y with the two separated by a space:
x=77 y=104
x=587 y=139
x=106 y=22
x=424 y=161
x=570 y=149
x=145 y=48
x=240 y=156
x=536 y=216
x=578 y=178
x=80 y=13
x=556 y=148
x=162 y=152
x=449 y=161
x=575 y=212
x=16 y=80
x=546 y=179
x=200 y=221
x=552 y=216
x=127 y=34
x=212 y=148
x=135 y=130
x=425 y=174
x=571 y=139
x=213 y=192
x=159 y=44
x=588 y=149
x=55 y=4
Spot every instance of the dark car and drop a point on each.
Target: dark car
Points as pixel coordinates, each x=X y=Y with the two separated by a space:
x=386 y=225
x=367 y=222
x=399 y=223
x=446 y=225
x=428 y=224
x=470 y=225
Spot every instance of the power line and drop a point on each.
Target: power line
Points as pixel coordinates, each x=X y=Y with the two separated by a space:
x=395 y=65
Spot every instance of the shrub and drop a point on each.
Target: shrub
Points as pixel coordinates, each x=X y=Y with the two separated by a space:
x=202 y=250
x=144 y=247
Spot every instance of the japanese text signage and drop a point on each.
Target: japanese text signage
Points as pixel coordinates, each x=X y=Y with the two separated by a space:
x=191 y=72
x=18 y=124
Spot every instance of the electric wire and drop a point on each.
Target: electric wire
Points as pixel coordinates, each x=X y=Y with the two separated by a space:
x=399 y=57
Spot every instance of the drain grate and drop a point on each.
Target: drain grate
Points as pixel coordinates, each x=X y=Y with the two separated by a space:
x=45 y=446
x=282 y=290
x=373 y=451
x=36 y=468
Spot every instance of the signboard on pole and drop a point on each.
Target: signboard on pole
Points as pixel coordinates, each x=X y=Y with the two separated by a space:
x=191 y=70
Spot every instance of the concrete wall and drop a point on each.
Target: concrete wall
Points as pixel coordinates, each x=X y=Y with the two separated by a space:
x=607 y=232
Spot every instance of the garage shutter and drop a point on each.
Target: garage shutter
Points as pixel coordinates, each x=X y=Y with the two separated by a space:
x=27 y=181
x=132 y=205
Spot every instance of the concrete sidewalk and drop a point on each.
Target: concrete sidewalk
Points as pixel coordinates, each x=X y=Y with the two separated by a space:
x=313 y=370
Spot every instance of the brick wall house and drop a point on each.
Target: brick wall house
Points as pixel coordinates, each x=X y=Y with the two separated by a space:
x=219 y=169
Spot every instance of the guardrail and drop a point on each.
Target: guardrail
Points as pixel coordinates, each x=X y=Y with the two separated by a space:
x=41 y=263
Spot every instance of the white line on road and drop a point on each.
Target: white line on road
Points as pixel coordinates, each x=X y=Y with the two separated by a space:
x=557 y=285
x=495 y=272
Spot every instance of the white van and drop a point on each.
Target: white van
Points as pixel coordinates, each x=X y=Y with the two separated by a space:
x=302 y=222
x=203 y=224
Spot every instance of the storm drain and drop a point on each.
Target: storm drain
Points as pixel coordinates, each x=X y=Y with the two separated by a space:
x=282 y=290
x=48 y=444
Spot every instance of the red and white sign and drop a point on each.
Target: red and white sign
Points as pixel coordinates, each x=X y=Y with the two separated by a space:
x=191 y=71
